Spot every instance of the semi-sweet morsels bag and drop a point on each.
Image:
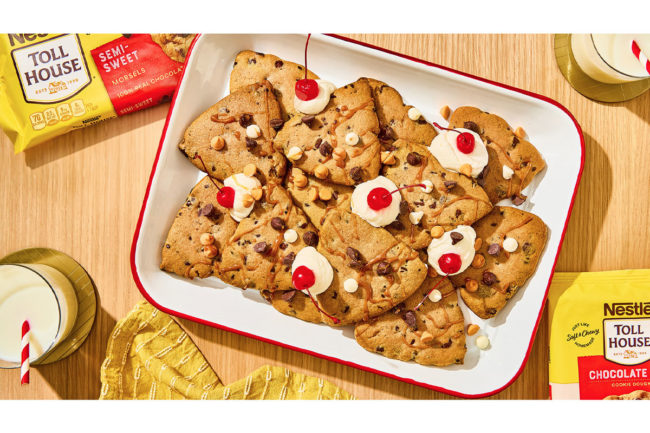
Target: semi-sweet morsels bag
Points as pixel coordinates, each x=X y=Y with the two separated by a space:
x=600 y=335
x=53 y=83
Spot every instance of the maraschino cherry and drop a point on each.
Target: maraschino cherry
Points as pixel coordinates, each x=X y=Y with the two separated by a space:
x=380 y=198
x=303 y=278
x=464 y=140
x=450 y=263
x=226 y=194
x=306 y=89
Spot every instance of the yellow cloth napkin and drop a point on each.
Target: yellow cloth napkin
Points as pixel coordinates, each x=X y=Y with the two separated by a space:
x=149 y=356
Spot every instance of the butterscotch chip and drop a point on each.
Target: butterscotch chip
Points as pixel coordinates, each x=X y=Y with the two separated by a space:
x=477 y=244
x=466 y=169
x=321 y=171
x=471 y=285
x=437 y=231
x=313 y=194
x=210 y=251
x=257 y=193
x=217 y=142
x=445 y=112
x=479 y=261
x=472 y=329
x=519 y=132
x=426 y=337
x=247 y=200
x=388 y=158
x=325 y=194
x=250 y=170
x=339 y=153
x=295 y=171
x=206 y=239
x=300 y=181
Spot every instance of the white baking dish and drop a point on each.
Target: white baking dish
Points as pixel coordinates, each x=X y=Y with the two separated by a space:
x=551 y=128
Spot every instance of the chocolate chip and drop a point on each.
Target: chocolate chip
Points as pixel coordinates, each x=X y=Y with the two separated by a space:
x=279 y=63
x=404 y=207
x=458 y=213
x=276 y=124
x=518 y=200
x=288 y=295
x=288 y=259
x=450 y=184
x=310 y=238
x=251 y=61
x=318 y=143
x=206 y=210
x=446 y=345
x=414 y=158
x=472 y=126
x=283 y=246
x=353 y=254
x=359 y=266
x=515 y=141
x=456 y=237
x=245 y=120
x=526 y=247
x=384 y=268
x=326 y=149
x=277 y=223
x=308 y=120
x=250 y=144
x=409 y=318
x=385 y=134
x=489 y=278
x=396 y=225
x=399 y=307
x=494 y=249
x=261 y=247
x=380 y=349
x=480 y=179
x=422 y=120
x=356 y=174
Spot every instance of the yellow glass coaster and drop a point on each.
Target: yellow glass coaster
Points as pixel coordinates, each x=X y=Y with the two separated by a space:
x=586 y=85
x=83 y=286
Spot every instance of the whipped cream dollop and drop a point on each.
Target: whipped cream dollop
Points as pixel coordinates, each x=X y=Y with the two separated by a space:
x=443 y=148
x=376 y=218
x=319 y=265
x=443 y=245
x=316 y=105
x=242 y=185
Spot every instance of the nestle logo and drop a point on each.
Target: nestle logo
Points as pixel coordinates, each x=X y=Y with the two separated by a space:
x=627 y=309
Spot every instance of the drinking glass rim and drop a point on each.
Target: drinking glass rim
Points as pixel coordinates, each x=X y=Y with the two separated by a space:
x=58 y=305
x=591 y=36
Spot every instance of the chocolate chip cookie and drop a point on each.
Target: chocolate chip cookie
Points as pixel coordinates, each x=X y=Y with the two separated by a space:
x=454 y=199
x=236 y=131
x=294 y=303
x=497 y=273
x=339 y=144
x=432 y=335
x=200 y=230
x=251 y=67
x=174 y=45
x=394 y=120
x=504 y=149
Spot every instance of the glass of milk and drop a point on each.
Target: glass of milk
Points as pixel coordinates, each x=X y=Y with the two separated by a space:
x=43 y=296
x=608 y=58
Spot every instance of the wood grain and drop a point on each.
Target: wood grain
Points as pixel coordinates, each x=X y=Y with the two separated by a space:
x=81 y=194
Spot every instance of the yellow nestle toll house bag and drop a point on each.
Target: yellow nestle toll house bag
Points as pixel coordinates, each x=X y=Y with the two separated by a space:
x=600 y=334
x=53 y=83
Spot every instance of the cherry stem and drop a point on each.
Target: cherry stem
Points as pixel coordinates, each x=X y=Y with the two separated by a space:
x=421 y=185
x=306 y=45
x=442 y=127
x=334 y=319
x=206 y=171
x=430 y=291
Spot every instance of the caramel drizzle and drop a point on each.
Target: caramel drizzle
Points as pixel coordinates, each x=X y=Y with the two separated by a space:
x=216 y=119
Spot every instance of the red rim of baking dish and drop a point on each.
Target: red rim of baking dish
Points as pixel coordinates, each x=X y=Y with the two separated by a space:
x=136 y=235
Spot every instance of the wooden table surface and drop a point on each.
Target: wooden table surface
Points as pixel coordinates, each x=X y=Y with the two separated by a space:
x=81 y=194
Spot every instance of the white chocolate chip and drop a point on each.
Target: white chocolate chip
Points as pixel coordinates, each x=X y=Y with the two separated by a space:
x=435 y=295
x=415 y=217
x=482 y=342
x=351 y=139
x=350 y=285
x=428 y=186
x=290 y=236
x=295 y=153
x=507 y=172
x=414 y=113
x=510 y=245
x=253 y=131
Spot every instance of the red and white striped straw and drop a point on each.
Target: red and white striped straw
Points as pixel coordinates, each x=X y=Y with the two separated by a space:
x=636 y=50
x=24 y=355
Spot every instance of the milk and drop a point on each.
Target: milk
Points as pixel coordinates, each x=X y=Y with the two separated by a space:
x=608 y=58
x=43 y=296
